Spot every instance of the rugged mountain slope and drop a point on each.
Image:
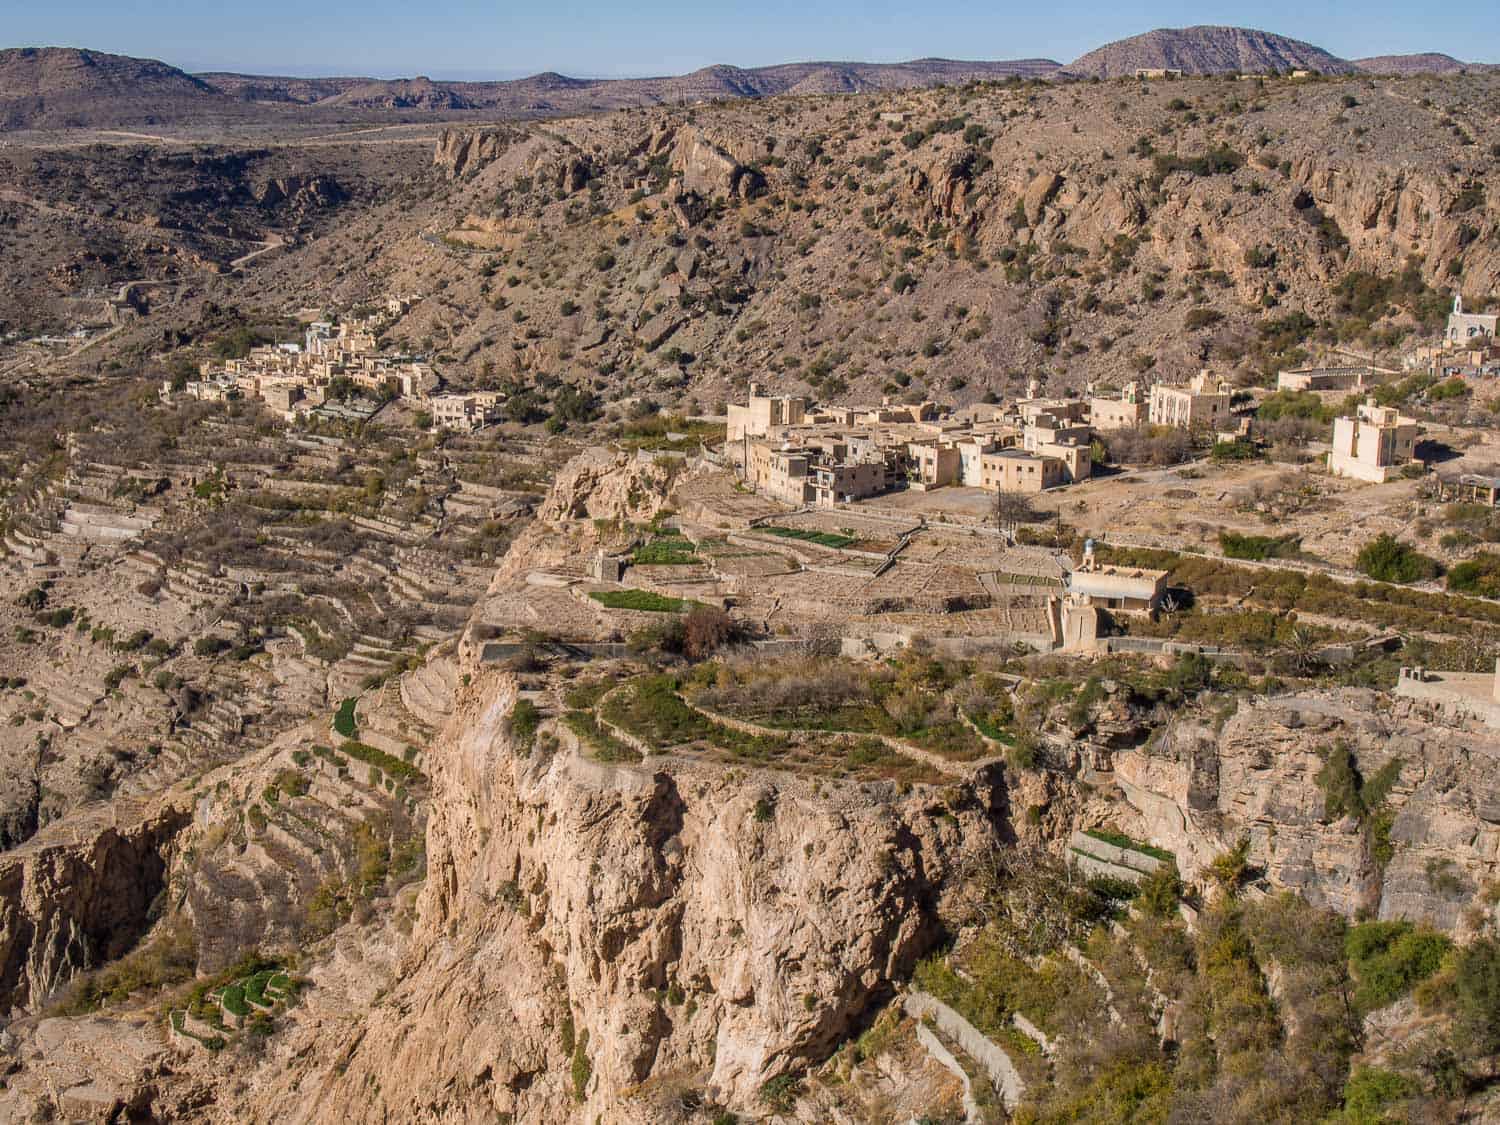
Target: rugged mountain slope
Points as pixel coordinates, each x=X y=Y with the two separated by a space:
x=52 y=87
x=1430 y=63
x=1206 y=50
x=1070 y=232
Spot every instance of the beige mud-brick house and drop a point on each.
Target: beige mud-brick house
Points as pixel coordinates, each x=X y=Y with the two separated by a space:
x=1123 y=589
x=934 y=465
x=764 y=413
x=467 y=412
x=1123 y=413
x=1015 y=470
x=1374 y=445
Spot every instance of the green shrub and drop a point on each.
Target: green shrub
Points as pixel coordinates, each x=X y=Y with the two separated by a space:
x=1259 y=547
x=343 y=719
x=1390 y=958
x=1479 y=575
x=1387 y=559
x=780 y=1094
x=582 y=1069
x=1228 y=451
x=523 y=722
x=1476 y=984
x=1371 y=1093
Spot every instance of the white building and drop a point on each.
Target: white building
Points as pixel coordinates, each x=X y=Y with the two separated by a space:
x=1202 y=405
x=1469 y=328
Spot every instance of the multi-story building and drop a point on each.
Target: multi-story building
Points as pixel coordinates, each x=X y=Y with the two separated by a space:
x=467 y=412
x=1202 y=405
x=764 y=413
x=1123 y=413
x=932 y=465
x=1374 y=445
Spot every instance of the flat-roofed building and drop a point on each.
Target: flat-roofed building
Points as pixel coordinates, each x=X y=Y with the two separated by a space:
x=1015 y=470
x=1124 y=589
x=1324 y=379
x=1374 y=445
x=933 y=465
x=1123 y=413
x=281 y=395
x=1202 y=404
x=782 y=474
x=466 y=412
x=970 y=459
x=848 y=481
x=763 y=413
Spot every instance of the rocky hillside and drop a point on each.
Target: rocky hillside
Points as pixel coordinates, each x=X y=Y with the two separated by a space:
x=978 y=236
x=50 y=88
x=1406 y=65
x=1206 y=50
x=59 y=87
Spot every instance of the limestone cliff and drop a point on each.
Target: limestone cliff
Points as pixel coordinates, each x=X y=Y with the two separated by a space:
x=73 y=900
x=585 y=928
x=1421 y=851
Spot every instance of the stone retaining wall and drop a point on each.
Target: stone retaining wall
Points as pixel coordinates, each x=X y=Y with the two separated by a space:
x=1003 y=1073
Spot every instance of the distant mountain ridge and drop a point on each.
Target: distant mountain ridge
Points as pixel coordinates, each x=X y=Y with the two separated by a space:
x=58 y=87
x=1428 y=63
x=560 y=91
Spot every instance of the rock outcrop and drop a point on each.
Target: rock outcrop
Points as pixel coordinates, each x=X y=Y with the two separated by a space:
x=1422 y=851
x=461 y=151
x=586 y=927
x=707 y=169
x=69 y=902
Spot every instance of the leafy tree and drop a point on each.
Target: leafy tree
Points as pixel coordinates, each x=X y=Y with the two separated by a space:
x=1476 y=981
x=1387 y=559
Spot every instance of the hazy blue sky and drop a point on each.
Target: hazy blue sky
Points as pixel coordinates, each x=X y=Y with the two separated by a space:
x=501 y=38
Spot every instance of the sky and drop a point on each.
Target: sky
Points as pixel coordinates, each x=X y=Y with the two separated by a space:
x=475 y=39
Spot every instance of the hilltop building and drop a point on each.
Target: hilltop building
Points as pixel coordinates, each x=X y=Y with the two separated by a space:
x=1374 y=445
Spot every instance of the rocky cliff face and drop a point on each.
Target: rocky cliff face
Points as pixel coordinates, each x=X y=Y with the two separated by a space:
x=460 y=151
x=1421 y=851
x=585 y=928
x=73 y=901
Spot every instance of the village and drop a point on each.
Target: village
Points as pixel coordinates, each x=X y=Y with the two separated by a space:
x=800 y=453
x=300 y=381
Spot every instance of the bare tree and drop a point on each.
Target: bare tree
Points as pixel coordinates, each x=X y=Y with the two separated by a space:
x=1011 y=510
